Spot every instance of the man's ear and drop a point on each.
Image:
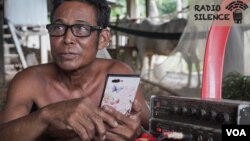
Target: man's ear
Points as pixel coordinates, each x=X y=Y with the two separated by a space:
x=104 y=38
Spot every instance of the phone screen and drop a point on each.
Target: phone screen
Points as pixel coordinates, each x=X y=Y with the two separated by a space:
x=120 y=91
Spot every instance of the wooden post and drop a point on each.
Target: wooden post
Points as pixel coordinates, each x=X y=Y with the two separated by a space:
x=132 y=9
x=147 y=7
x=117 y=51
x=128 y=8
x=2 y=68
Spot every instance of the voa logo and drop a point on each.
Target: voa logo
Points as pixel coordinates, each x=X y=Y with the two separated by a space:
x=236 y=132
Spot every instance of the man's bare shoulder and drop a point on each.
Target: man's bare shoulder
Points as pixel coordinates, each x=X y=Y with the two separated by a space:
x=35 y=72
x=33 y=77
x=24 y=89
x=115 y=66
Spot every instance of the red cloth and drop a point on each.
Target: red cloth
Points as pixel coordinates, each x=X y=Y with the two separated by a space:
x=146 y=137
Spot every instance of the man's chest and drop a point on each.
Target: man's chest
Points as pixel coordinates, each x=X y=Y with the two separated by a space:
x=52 y=94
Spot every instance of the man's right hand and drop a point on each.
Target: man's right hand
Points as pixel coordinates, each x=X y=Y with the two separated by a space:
x=80 y=115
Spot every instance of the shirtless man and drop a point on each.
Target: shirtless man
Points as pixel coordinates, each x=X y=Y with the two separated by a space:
x=67 y=92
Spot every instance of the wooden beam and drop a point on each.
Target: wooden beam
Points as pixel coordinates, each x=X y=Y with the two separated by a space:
x=2 y=68
x=164 y=88
x=132 y=9
x=128 y=7
x=147 y=7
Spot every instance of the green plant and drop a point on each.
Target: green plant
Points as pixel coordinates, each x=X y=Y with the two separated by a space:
x=236 y=86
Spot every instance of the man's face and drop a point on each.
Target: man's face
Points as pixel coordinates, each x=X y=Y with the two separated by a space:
x=71 y=52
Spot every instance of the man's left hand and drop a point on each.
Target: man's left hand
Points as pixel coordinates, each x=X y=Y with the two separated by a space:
x=128 y=127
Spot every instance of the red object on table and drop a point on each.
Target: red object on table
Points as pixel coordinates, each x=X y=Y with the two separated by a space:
x=146 y=137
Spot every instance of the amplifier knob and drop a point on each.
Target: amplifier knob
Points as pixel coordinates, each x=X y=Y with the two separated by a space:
x=213 y=115
x=184 y=110
x=210 y=139
x=193 y=111
x=223 y=117
x=199 y=138
x=175 y=109
x=220 y=117
x=226 y=117
x=203 y=113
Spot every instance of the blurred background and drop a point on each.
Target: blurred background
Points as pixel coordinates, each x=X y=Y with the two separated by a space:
x=159 y=39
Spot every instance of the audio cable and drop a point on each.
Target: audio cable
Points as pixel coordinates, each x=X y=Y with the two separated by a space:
x=174 y=135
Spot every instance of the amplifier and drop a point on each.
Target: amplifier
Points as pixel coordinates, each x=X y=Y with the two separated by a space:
x=198 y=118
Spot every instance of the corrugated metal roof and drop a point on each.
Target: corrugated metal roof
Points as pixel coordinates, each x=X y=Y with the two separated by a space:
x=27 y=12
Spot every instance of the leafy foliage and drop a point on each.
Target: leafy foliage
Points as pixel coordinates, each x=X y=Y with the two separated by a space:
x=119 y=10
x=166 y=7
x=236 y=86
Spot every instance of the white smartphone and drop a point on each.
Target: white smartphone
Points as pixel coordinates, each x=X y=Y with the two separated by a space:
x=120 y=91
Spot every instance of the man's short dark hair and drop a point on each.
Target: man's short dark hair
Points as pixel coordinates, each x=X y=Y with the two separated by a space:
x=101 y=7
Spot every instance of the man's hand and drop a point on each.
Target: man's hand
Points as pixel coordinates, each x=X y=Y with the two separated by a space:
x=78 y=115
x=127 y=127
